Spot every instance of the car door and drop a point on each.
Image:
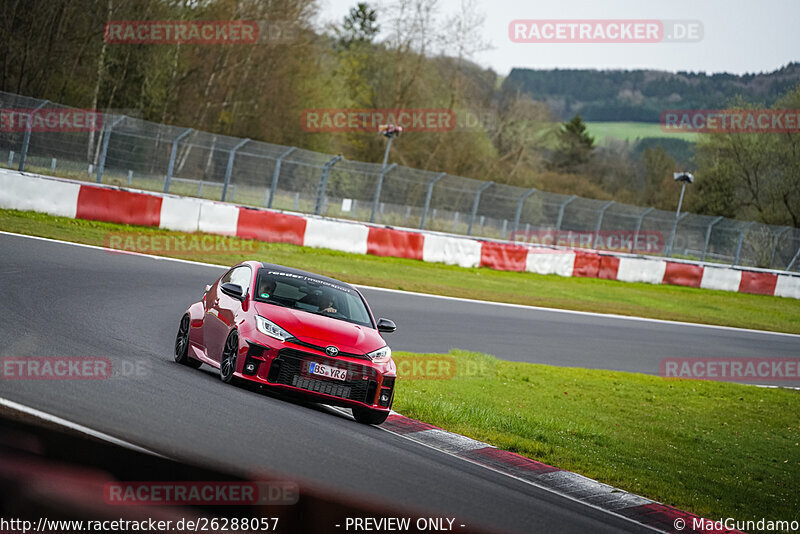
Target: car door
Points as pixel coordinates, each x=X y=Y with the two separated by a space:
x=225 y=310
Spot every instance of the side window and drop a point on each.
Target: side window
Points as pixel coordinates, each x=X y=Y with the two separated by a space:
x=241 y=276
x=227 y=278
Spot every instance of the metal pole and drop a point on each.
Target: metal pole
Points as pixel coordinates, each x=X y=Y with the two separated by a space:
x=561 y=211
x=600 y=220
x=428 y=198
x=323 y=183
x=173 y=153
x=276 y=174
x=27 y=138
x=378 y=188
x=229 y=169
x=775 y=246
x=708 y=236
x=794 y=259
x=106 y=139
x=475 y=203
x=675 y=225
x=741 y=239
x=388 y=148
x=639 y=227
x=518 y=215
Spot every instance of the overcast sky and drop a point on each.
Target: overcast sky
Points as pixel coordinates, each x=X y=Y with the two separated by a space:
x=739 y=36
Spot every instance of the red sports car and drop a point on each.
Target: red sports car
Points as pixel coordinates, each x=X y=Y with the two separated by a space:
x=292 y=330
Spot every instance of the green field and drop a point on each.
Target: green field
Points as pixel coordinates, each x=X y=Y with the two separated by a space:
x=713 y=448
x=631 y=131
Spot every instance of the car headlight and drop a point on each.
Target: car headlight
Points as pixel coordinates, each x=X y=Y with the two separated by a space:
x=265 y=326
x=381 y=355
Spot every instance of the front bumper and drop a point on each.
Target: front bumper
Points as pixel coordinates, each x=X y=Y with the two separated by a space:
x=286 y=368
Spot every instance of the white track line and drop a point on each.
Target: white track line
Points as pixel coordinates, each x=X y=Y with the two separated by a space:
x=50 y=418
x=428 y=295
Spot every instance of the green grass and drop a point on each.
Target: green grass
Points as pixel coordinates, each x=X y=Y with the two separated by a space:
x=634 y=130
x=713 y=448
x=588 y=294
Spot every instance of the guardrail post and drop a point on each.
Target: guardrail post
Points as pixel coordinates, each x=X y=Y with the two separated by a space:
x=26 y=140
x=428 y=196
x=172 y=155
x=229 y=168
x=323 y=183
x=275 y=175
x=775 y=245
x=600 y=219
x=101 y=166
x=378 y=188
x=561 y=211
x=518 y=214
x=739 y=245
x=708 y=236
x=475 y=203
x=639 y=227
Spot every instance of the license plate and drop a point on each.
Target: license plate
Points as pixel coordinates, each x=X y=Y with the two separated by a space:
x=328 y=371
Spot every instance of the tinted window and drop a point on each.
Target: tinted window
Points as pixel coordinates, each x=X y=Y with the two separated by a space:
x=312 y=295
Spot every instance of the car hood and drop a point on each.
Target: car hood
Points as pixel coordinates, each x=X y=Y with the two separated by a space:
x=321 y=330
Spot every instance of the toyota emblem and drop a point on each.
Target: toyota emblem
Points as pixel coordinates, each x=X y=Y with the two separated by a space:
x=330 y=350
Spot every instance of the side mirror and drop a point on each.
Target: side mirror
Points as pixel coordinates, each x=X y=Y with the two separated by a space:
x=233 y=290
x=385 y=325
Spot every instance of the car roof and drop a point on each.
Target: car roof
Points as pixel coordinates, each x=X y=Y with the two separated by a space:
x=300 y=272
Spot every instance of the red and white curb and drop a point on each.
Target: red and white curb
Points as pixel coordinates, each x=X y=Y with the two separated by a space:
x=659 y=517
x=67 y=198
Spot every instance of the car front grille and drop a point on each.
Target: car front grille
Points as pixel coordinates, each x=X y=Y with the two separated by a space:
x=289 y=368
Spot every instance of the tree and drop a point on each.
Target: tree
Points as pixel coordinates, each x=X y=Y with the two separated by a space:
x=575 y=145
x=359 y=26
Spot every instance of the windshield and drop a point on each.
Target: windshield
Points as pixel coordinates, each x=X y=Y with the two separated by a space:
x=312 y=295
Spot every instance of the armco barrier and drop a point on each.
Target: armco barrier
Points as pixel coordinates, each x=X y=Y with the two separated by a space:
x=68 y=198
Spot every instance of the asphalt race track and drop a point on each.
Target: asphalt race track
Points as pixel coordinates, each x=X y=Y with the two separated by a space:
x=64 y=300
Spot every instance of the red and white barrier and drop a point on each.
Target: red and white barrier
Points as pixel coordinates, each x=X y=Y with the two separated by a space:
x=88 y=201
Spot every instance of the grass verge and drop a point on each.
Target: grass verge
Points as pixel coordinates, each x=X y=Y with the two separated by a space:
x=713 y=448
x=584 y=294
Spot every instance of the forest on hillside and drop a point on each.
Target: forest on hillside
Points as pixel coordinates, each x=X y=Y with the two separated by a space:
x=521 y=130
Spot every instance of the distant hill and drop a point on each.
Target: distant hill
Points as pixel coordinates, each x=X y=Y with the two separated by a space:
x=641 y=95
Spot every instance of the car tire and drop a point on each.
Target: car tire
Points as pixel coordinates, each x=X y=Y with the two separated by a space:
x=365 y=416
x=227 y=363
x=182 y=345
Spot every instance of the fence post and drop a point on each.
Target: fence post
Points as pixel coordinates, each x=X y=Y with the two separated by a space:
x=561 y=211
x=639 y=227
x=600 y=219
x=741 y=238
x=794 y=259
x=101 y=166
x=708 y=236
x=229 y=168
x=378 y=188
x=475 y=203
x=323 y=183
x=517 y=215
x=674 y=232
x=276 y=174
x=428 y=196
x=172 y=155
x=26 y=140
x=775 y=246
